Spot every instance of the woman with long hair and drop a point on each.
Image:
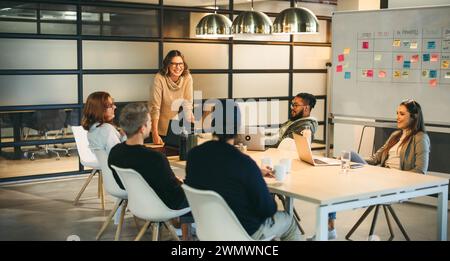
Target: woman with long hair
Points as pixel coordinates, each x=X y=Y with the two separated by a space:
x=98 y=115
x=173 y=82
x=408 y=148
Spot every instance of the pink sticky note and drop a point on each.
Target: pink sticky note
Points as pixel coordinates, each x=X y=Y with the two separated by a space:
x=381 y=74
x=341 y=58
x=433 y=82
x=339 y=68
x=415 y=58
x=434 y=57
x=365 y=45
x=399 y=58
x=370 y=73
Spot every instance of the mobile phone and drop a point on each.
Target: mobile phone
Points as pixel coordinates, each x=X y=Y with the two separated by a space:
x=356 y=165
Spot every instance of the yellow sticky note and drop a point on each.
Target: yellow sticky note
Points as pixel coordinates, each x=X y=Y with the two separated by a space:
x=397 y=74
x=396 y=43
x=413 y=45
x=425 y=73
x=445 y=64
x=405 y=74
x=346 y=50
x=378 y=57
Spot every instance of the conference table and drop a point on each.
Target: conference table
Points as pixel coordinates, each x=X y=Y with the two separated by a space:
x=332 y=190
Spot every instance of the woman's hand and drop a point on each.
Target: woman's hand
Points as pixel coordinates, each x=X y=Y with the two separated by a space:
x=267 y=172
x=156 y=138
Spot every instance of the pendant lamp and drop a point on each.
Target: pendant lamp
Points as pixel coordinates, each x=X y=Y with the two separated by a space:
x=295 y=20
x=213 y=25
x=252 y=22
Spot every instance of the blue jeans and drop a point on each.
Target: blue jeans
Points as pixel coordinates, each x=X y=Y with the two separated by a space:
x=332 y=215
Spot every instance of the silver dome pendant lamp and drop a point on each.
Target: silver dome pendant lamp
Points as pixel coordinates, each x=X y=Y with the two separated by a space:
x=252 y=22
x=213 y=25
x=296 y=20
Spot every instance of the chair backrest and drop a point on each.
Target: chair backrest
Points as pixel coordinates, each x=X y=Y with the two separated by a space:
x=287 y=144
x=48 y=120
x=143 y=201
x=214 y=219
x=109 y=181
x=87 y=157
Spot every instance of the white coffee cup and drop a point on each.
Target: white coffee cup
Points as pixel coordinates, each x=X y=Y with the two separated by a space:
x=280 y=172
x=266 y=162
x=287 y=164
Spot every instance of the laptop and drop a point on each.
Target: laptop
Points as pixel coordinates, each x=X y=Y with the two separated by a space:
x=305 y=153
x=254 y=138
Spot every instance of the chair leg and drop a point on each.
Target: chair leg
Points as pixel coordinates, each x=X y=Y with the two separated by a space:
x=101 y=189
x=172 y=230
x=388 y=221
x=108 y=219
x=398 y=222
x=155 y=231
x=360 y=220
x=77 y=198
x=142 y=232
x=374 y=220
x=297 y=221
x=122 y=216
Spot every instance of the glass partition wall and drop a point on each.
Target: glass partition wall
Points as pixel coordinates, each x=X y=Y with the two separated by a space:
x=55 y=53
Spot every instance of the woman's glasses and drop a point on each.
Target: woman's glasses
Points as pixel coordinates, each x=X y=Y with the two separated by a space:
x=177 y=64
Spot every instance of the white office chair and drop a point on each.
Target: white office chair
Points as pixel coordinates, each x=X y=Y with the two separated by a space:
x=214 y=219
x=113 y=189
x=287 y=144
x=89 y=160
x=145 y=204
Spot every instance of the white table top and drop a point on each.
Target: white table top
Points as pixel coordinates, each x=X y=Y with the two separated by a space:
x=326 y=184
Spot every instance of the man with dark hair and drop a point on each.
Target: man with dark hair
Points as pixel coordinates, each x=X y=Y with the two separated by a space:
x=219 y=166
x=300 y=117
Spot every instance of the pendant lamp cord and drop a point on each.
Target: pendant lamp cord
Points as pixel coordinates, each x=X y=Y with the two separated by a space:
x=215 y=6
x=252 y=5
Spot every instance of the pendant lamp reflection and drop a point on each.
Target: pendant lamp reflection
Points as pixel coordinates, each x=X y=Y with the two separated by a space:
x=252 y=22
x=295 y=20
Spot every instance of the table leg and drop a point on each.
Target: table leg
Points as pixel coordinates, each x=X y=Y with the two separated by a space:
x=442 y=214
x=322 y=224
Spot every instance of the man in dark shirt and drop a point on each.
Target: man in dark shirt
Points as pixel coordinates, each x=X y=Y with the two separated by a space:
x=217 y=165
x=152 y=165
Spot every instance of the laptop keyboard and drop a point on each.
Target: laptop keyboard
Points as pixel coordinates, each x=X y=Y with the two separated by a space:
x=318 y=161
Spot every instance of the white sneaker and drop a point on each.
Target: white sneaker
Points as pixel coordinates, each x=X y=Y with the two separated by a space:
x=332 y=234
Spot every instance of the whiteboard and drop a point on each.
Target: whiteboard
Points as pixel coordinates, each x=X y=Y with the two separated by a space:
x=382 y=57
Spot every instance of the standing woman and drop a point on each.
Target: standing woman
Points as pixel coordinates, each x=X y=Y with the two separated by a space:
x=98 y=115
x=409 y=147
x=172 y=82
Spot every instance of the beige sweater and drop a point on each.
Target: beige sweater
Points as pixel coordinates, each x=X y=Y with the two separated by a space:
x=164 y=93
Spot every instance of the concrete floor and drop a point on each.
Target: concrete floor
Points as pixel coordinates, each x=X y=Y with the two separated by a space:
x=45 y=211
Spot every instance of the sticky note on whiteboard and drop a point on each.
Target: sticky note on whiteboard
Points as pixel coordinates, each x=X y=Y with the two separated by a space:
x=432 y=83
x=347 y=75
x=346 y=50
x=340 y=58
x=381 y=74
x=339 y=68
x=426 y=57
x=396 y=43
x=365 y=45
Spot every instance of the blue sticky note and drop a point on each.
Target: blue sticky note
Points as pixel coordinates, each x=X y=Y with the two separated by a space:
x=426 y=57
x=433 y=73
x=407 y=64
x=431 y=45
x=347 y=75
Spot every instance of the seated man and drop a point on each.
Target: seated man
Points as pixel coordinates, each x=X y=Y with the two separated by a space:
x=300 y=118
x=219 y=166
x=152 y=165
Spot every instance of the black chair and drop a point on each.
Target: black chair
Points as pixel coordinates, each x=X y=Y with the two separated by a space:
x=45 y=122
